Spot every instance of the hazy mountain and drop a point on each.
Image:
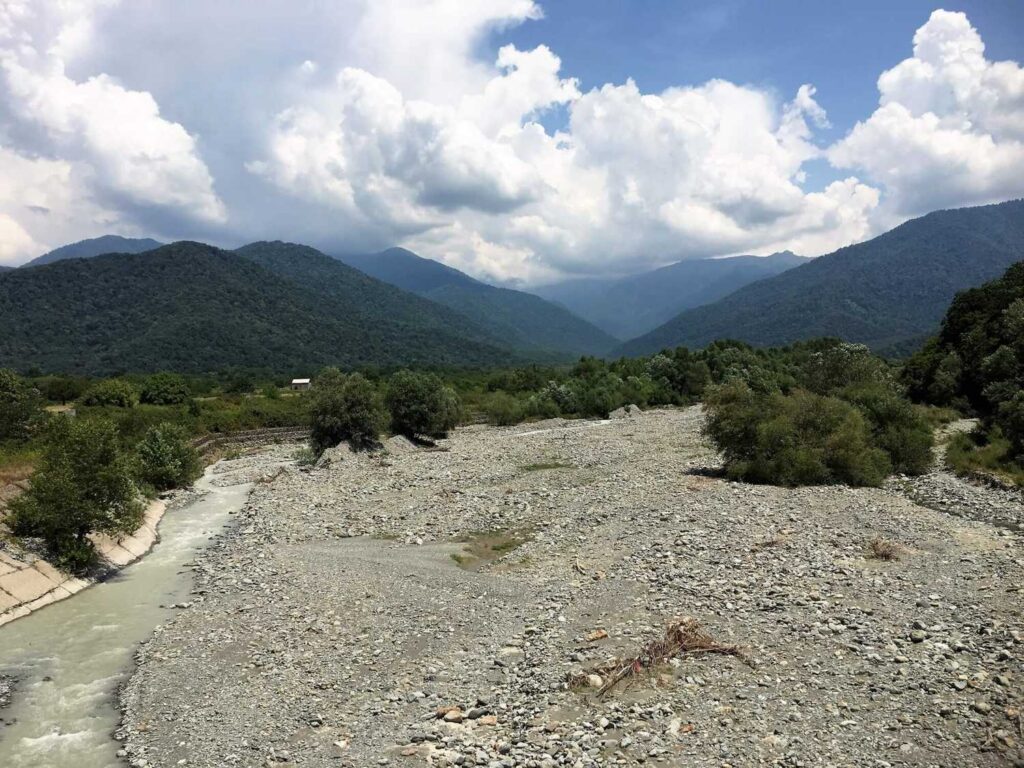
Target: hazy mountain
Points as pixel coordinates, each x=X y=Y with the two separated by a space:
x=5 y=269
x=97 y=246
x=192 y=307
x=629 y=306
x=887 y=292
x=522 y=320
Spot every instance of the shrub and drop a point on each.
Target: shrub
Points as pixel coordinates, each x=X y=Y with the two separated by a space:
x=112 y=392
x=421 y=405
x=898 y=427
x=1010 y=420
x=166 y=459
x=345 y=408
x=20 y=407
x=83 y=485
x=795 y=439
x=504 y=410
x=165 y=389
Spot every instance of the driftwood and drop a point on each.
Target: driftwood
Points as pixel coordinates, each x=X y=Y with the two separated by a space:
x=683 y=637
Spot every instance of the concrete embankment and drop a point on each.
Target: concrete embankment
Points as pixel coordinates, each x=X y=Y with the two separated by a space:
x=28 y=583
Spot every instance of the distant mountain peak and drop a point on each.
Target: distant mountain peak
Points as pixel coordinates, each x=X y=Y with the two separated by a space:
x=95 y=246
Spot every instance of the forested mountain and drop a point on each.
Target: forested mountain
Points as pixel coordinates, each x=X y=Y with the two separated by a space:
x=888 y=292
x=97 y=246
x=630 y=306
x=5 y=269
x=192 y=307
x=523 y=321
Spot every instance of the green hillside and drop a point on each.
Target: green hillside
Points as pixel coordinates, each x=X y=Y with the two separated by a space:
x=96 y=246
x=193 y=308
x=522 y=320
x=886 y=292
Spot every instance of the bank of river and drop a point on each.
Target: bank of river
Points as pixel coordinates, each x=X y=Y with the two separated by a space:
x=68 y=659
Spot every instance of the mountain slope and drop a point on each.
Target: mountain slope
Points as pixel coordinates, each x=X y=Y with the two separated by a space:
x=97 y=246
x=523 y=321
x=346 y=286
x=633 y=305
x=192 y=307
x=884 y=292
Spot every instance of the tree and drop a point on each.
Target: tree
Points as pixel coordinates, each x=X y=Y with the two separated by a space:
x=111 y=392
x=345 y=409
x=165 y=389
x=63 y=389
x=166 y=459
x=421 y=405
x=83 y=485
x=20 y=407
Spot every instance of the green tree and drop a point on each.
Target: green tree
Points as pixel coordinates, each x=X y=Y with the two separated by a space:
x=166 y=459
x=165 y=389
x=63 y=389
x=83 y=485
x=345 y=409
x=111 y=392
x=421 y=405
x=20 y=407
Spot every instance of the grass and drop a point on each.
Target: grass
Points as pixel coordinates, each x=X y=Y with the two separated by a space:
x=484 y=547
x=541 y=466
x=16 y=463
x=972 y=454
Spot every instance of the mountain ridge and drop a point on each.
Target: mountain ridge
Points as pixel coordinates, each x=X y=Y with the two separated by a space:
x=95 y=246
x=882 y=292
x=630 y=306
x=192 y=307
x=523 y=320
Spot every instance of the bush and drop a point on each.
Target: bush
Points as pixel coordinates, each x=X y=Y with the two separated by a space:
x=345 y=408
x=112 y=392
x=421 y=405
x=898 y=427
x=504 y=410
x=83 y=485
x=165 y=389
x=20 y=407
x=166 y=459
x=795 y=439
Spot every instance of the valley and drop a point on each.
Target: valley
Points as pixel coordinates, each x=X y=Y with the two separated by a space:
x=444 y=607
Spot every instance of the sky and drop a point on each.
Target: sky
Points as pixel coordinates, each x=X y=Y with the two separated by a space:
x=522 y=141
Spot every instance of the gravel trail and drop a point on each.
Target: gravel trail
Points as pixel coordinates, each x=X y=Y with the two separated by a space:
x=429 y=607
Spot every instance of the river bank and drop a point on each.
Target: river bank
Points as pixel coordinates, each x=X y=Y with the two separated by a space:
x=68 y=660
x=430 y=607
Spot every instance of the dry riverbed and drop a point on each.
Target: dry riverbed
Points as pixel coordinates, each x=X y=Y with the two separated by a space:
x=456 y=607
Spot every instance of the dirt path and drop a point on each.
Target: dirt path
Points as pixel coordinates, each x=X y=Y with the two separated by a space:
x=332 y=625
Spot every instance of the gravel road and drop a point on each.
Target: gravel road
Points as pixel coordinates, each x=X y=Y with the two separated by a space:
x=428 y=608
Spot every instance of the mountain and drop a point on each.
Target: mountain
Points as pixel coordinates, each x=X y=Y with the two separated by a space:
x=523 y=321
x=886 y=292
x=5 y=269
x=97 y=246
x=191 y=307
x=633 y=305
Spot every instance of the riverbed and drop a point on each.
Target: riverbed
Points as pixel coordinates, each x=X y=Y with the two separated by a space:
x=68 y=659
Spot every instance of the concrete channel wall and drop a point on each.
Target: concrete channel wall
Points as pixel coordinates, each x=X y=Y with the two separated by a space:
x=28 y=583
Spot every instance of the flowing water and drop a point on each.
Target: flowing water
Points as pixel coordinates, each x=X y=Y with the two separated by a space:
x=69 y=658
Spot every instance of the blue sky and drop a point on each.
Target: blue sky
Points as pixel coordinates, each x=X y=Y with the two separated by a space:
x=840 y=47
x=522 y=141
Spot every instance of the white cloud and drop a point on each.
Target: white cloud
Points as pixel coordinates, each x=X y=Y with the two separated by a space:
x=359 y=124
x=949 y=127
x=121 y=149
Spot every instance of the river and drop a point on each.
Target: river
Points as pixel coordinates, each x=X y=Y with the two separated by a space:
x=69 y=658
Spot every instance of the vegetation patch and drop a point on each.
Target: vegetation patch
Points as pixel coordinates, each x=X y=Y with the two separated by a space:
x=883 y=549
x=545 y=465
x=480 y=549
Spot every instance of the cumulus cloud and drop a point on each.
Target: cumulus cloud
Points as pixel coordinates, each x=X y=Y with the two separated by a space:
x=112 y=140
x=949 y=127
x=359 y=124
